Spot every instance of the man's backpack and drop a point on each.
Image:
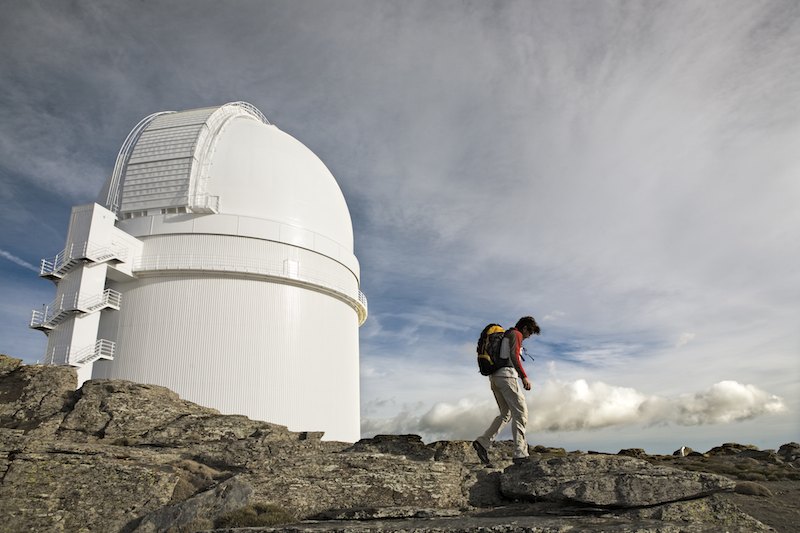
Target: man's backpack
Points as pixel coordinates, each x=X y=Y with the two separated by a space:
x=489 y=349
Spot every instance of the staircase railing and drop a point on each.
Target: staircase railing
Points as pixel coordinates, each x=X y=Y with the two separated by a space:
x=102 y=349
x=53 y=313
x=107 y=298
x=66 y=258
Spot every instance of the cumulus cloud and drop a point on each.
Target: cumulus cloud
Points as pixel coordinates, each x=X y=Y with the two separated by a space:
x=579 y=405
x=726 y=401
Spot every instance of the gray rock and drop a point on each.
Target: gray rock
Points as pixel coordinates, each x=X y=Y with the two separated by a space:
x=75 y=488
x=752 y=489
x=454 y=450
x=706 y=515
x=768 y=456
x=549 y=450
x=410 y=446
x=790 y=452
x=683 y=451
x=8 y=364
x=117 y=456
x=31 y=395
x=200 y=509
x=116 y=409
x=730 y=448
x=192 y=429
x=633 y=452
x=354 y=480
x=607 y=481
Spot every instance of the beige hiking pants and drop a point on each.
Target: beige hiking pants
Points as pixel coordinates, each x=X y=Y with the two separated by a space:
x=511 y=402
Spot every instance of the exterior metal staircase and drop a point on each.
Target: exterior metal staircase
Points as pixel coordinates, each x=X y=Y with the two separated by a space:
x=60 y=309
x=102 y=349
x=65 y=260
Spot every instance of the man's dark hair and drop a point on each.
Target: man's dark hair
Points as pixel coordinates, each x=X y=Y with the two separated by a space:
x=528 y=322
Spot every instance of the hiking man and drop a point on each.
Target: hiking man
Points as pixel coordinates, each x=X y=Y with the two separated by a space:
x=507 y=393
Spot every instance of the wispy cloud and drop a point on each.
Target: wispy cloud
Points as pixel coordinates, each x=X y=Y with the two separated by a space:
x=17 y=260
x=625 y=172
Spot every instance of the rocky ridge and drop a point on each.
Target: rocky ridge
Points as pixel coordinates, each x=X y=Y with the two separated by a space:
x=127 y=457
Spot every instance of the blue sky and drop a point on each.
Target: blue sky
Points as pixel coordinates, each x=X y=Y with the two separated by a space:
x=626 y=172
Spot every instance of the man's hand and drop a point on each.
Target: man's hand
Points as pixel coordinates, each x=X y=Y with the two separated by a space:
x=526 y=383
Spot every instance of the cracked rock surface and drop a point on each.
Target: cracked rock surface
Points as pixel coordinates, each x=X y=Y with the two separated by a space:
x=607 y=481
x=116 y=456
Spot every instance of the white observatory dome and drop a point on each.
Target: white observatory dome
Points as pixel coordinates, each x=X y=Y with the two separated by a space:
x=269 y=174
x=227 y=273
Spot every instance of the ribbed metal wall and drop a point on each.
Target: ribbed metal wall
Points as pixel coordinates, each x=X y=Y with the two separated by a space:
x=269 y=351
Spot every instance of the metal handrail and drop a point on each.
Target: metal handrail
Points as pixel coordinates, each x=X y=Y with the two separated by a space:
x=87 y=250
x=253 y=110
x=103 y=348
x=38 y=318
x=107 y=298
x=51 y=311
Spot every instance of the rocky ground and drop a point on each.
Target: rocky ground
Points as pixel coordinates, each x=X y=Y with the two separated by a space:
x=119 y=456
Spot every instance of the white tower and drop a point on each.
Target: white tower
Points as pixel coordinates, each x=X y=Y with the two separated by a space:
x=221 y=266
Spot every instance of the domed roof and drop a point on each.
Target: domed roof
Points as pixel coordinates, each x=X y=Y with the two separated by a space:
x=226 y=160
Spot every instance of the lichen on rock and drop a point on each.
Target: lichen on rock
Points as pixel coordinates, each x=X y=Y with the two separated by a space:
x=121 y=456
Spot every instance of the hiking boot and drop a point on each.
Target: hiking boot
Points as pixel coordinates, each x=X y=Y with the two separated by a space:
x=483 y=454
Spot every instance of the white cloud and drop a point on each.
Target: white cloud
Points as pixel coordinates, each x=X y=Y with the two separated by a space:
x=725 y=402
x=582 y=405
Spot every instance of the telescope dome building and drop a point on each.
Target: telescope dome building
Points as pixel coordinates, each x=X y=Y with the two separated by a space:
x=218 y=261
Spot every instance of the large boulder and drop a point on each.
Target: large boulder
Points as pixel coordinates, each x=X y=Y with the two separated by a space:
x=8 y=364
x=730 y=448
x=193 y=514
x=790 y=452
x=607 y=481
x=116 y=410
x=33 y=395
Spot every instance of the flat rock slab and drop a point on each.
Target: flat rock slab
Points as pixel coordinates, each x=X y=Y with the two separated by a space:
x=353 y=480
x=607 y=481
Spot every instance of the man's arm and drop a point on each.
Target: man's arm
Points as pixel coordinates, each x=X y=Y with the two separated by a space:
x=516 y=346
